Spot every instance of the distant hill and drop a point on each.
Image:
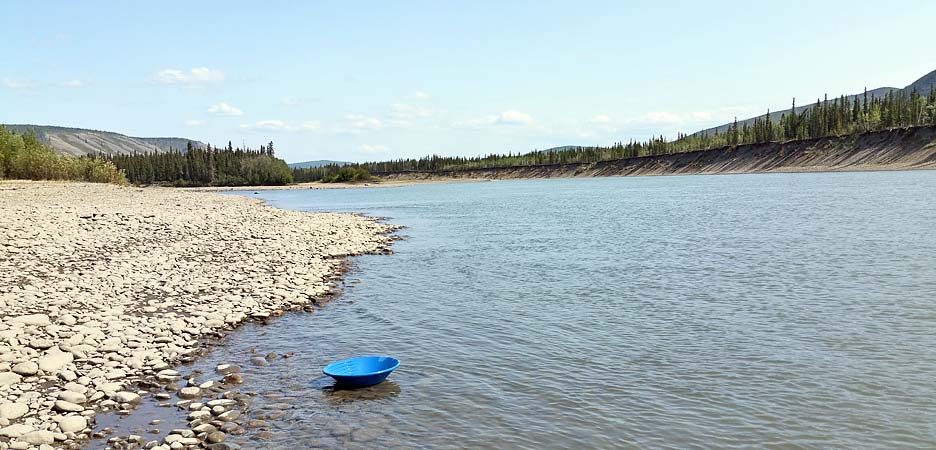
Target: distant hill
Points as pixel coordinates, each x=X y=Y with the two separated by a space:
x=922 y=86
x=316 y=163
x=79 y=142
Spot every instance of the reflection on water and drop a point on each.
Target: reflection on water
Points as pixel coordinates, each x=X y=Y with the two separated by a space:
x=336 y=393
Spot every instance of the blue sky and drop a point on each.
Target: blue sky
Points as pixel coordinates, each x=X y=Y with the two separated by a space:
x=377 y=80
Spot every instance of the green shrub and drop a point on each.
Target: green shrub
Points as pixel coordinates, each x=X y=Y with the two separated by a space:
x=24 y=157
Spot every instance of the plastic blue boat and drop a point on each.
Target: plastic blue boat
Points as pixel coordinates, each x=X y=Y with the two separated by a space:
x=361 y=370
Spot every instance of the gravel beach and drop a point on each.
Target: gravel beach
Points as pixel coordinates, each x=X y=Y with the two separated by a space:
x=103 y=289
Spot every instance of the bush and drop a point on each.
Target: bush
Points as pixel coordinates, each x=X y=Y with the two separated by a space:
x=24 y=157
x=347 y=174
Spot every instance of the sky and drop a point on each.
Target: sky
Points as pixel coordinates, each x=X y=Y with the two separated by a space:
x=365 y=81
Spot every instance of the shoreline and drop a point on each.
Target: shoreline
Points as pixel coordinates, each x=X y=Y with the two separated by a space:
x=102 y=299
x=389 y=183
x=896 y=149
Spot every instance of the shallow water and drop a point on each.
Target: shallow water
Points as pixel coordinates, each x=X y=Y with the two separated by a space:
x=783 y=311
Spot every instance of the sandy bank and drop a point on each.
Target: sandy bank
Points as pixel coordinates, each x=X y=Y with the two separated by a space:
x=103 y=289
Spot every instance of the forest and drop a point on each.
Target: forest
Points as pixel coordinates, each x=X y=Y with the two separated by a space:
x=209 y=166
x=24 y=157
x=835 y=117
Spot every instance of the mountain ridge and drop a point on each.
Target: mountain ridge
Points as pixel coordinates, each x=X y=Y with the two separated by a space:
x=82 y=141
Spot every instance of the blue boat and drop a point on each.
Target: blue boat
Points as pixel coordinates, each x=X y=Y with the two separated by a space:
x=361 y=370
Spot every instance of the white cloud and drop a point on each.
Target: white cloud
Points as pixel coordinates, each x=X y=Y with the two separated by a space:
x=600 y=119
x=403 y=111
x=193 y=77
x=279 y=125
x=310 y=125
x=510 y=117
x=194 y=123
x=267 y=125
x=223 y=109
x=368 y=148
x=73 y=84
x=356 y=123
x=514 y=117
x=420 y=95
x=18 y=84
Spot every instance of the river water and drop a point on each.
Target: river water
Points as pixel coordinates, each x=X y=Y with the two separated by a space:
x=735 y=311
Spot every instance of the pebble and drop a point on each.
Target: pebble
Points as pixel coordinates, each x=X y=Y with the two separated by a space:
x=26 y=368
x=73 y=424
x=126 y=397
x=38 y=437
x=224 y=369
x=215 y=437
x=13 y=410
x=72 y=397
x=189 y=392
x=62 y=405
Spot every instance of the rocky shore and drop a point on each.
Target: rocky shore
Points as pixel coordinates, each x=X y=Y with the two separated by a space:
x=103 y=289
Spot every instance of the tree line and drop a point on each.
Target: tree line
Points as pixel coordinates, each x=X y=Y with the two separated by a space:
x=835 y=117
x=24 y=157
x=208 y=166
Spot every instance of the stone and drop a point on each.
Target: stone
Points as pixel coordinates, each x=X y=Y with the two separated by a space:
x=9 y=378
x=26 y=368
x=54 y=362
x=224 y=369
x=73 y=424
x=72 y=397
x=62 y=405
x=109 y=387
x=215 y=437
x=67 y=320
x=40 y=320
x=167 y=375
x=126 y=397
x=205 y=428
x=199 y=415
x=16 y=430
x=116 y=374
x=13 y=410
x=229 y=416
x=189 y=392
x=41 y=343
x=38 y=437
